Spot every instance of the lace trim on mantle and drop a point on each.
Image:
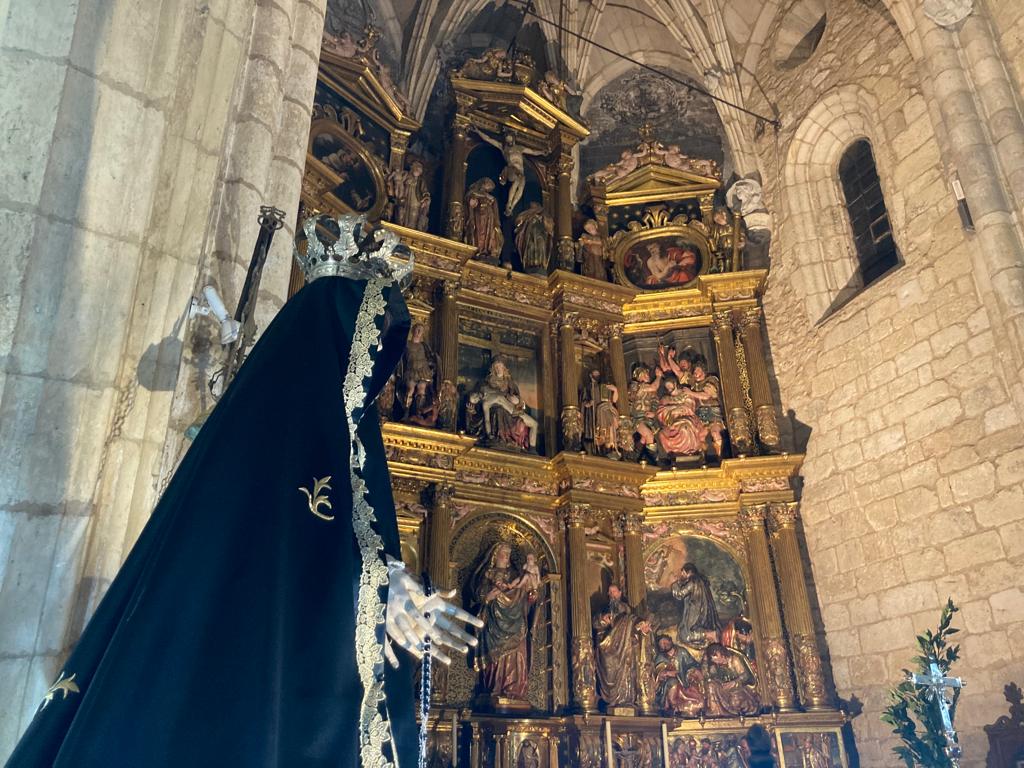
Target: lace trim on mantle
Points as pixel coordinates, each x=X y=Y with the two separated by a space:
x=374 y=728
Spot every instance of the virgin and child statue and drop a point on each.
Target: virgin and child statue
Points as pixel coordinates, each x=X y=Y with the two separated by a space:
x=503 y=598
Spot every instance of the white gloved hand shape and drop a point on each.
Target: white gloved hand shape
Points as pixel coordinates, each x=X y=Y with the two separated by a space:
x=412 y=617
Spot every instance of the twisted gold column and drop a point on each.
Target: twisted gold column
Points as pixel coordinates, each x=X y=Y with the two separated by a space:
x=767 y=617
x=803 y=643
x=736 y=413
x=572 y=419
x=760 y=388
x=584 y=679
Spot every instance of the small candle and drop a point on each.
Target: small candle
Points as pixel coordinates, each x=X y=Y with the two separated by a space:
x=608 y=743
x=664 y=745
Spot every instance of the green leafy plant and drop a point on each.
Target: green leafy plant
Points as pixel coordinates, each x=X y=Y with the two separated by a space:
x=913 y=712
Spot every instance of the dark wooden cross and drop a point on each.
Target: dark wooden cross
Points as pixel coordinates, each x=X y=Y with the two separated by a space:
x=937 y=683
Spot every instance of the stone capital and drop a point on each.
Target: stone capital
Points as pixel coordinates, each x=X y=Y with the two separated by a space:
x=947 y=13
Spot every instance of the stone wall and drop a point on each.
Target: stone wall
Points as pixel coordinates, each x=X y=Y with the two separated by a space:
x=140 y=138
x=915 y=463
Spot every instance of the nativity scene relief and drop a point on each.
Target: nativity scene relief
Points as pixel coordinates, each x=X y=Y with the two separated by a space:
x=582 y=436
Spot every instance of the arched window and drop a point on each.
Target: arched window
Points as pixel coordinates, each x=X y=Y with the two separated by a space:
x=872 y=233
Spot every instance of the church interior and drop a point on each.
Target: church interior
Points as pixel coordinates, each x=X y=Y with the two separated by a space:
x=714 y=392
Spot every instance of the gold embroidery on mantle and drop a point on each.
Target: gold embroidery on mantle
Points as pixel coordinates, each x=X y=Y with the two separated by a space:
x=65 y=686
x=316 y=500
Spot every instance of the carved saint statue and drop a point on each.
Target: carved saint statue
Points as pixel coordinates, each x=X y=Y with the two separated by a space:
x=722 y=236
x=515 y=171
x=483 y=222
x=617 y=630
x=706 y=390
x=533 y=238
x=502 y=657
x=677 y=678
x=643 y=399
x=681 y=432
x=590 y=252
x=504 y=412
x=410 y=198
x=698 y=622
x=418 y=374
x=730 y=682
x=600 y=415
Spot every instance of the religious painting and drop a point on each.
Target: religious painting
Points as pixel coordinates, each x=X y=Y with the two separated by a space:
x=358 y=182
x=675 y=410
x=502 y=567
x=661 y=251
x=663 y=262
x=809 y=748
x=705 y=661
x=708 y=749
x=499 y=386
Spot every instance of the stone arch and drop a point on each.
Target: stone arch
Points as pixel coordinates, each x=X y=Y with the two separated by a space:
x=818 y=242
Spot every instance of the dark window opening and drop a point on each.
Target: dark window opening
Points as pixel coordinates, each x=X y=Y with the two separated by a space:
x=869 y=219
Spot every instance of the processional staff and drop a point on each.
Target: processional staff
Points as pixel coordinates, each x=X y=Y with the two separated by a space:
x=936 y=684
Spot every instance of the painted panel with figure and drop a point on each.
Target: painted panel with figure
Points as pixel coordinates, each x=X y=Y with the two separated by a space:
x=727 y=749
x=811 y=749
x=663 y=262
x=360 y=182
x=705 y=662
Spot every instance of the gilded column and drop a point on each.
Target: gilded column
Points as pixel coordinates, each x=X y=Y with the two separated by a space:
x=618 y=362
x=399 y=145
x=439 y=536
x=457 y=177
x=760 y=388
x=738 y=421
x=448 y=354
x=572 y=419
x=566 y=255
x=810 y=673
x=767 y=616
x=584 y=677
x=632 y=540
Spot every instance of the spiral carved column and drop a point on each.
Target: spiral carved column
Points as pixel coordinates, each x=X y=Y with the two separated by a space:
x=767 y=615
x=810 y=673
x=572 y=419
x=760 y=387
x=736 y=418
x=584 y=676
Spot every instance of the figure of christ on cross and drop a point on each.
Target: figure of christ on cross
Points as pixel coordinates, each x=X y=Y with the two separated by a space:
x=515 y=171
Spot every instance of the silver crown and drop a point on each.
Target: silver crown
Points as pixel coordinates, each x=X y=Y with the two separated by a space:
x=360 y=250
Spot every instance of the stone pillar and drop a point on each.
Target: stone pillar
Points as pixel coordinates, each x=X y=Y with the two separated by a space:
x=736 y=413
x=564 y=247
x=766 y=615
x=632 y=540
x=618 y=363
x=572 y=419
x=760 y=388
x=439 y=536
x=797 y=607
x=584 y=676
x=457 y=177
x=998 y=256
x=448 y=354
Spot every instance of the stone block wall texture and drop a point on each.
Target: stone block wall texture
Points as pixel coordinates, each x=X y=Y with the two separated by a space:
x=140 y=139
x=914 y=477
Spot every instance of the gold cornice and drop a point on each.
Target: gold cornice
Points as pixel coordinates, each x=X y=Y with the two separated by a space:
x=586 y=294
x=424 y=439
x=441 y=252
x=730 y=287
x=524 y=100
x=355 y=79
x=513 y=290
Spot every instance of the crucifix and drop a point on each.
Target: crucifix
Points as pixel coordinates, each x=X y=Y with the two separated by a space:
x=937 y=683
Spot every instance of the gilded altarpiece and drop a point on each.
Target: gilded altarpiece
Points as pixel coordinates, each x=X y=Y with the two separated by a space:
x=587 y=452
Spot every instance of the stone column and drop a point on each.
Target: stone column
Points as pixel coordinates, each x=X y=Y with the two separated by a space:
x=439 y=536
x=797 y=607
x=572 y=419
x=632 y=540
x=766 y=614
x=448 y=354
x=760 y=388
x=998 y=255
x=564 y=249
x=457 y=177
x=736 y=414
x=584 y=676
x=618 y=362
